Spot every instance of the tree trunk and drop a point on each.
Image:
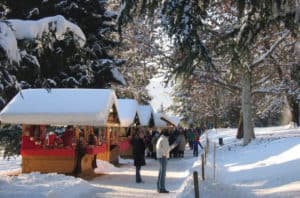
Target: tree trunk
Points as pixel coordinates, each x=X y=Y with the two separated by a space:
x=295 y=110
x=247 y=107
x=215 y=121
x=240 y=132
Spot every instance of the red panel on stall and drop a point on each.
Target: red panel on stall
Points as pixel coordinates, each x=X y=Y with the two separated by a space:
x=95 y=149
x=124 y=145
x=49 y=152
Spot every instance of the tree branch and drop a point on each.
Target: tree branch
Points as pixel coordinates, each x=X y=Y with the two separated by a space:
x=270 y=51
x=262 y=80
x=217 y=81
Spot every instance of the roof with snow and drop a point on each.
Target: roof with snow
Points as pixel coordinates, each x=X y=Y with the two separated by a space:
x=128 y=112
x=145 y=112
x=92 y=107
x=158 y=122
x=173 y=120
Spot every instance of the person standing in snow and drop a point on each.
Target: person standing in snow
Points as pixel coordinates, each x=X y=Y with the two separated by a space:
x=138 y=153
x=190 y=137
x=181 y=143
x=195 y=146
x=162 y=154
x=154 y=139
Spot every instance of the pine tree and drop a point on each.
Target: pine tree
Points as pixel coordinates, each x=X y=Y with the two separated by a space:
x=49 y=62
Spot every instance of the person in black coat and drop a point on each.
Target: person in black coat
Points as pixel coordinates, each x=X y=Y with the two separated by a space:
x=138 y=153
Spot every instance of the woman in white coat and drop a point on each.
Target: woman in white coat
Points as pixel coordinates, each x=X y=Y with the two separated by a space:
x=162 y=154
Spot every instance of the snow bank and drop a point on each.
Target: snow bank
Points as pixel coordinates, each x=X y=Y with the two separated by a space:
x=266 y=167
x=125 y=161
x=36 y=185
x=104 y=167
x=11 y=166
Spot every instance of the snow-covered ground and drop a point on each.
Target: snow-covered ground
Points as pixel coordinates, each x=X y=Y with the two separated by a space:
x=267 y=167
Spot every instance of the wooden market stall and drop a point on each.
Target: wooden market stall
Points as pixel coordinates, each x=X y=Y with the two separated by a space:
x=77 y=111
x=129 y=121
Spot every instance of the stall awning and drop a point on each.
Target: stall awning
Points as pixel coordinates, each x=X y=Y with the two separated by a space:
x=60 y=107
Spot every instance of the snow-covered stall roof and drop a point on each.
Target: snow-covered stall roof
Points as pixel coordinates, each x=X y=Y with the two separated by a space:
x=127 y=109
x=60 y=107
x=158 y=122
x=145 y=112
x=174 y=120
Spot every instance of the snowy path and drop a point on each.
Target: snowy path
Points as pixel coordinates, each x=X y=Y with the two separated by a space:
x=122 y=183
x=268 y=167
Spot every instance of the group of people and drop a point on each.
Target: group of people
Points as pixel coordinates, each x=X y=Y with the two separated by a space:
x=178 y=136
x=162 y=146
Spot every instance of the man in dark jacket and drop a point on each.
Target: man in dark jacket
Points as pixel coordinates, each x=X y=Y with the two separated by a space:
x=138 y=152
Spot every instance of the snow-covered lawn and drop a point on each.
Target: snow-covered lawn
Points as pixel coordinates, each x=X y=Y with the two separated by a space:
x=268 y=167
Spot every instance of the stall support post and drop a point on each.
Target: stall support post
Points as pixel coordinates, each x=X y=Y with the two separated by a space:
x=108 y=143
x=215 y=150
x=23 y=128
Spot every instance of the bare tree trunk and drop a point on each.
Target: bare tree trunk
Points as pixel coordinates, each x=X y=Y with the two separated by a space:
x=240 y=132
x=247 y=107
x=215 y=121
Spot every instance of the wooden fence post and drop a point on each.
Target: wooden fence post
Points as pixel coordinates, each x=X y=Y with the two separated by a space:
x=207 y=145
x=196 y=184
x=202 y=165
x=215 y=150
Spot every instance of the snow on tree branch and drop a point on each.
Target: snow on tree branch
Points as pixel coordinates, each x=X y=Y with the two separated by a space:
x=118 y=76
x=15 y=29
x=270 y=51
x=8 y=43
x=28 y=29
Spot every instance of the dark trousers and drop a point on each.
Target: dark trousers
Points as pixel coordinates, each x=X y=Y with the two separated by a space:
x=195 y=152
x=138 y=177
x=180 y=153
x=162 y=173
